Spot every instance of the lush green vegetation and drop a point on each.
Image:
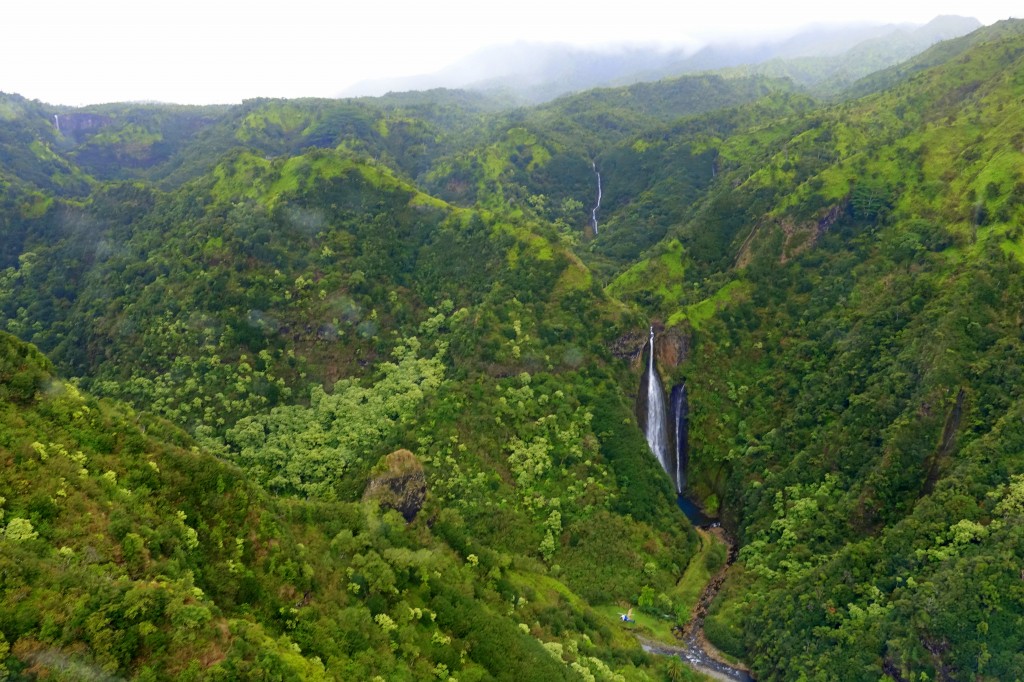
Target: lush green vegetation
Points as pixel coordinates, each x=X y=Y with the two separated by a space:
x=129 y=551
x=257 y=303
x=857 y=376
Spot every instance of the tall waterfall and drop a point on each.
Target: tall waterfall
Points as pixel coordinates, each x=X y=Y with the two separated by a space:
x=593 y=211
x=56 y=122
x=680 y=411
x=656 y=428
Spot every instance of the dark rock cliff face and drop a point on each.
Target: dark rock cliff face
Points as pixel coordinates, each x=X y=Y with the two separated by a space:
x=79 y=125
x=672 y=347
x=833 y=215
x=399 y=483
x=630 y=347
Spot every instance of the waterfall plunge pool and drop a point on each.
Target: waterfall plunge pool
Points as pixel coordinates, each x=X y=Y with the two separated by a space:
x=695 y=514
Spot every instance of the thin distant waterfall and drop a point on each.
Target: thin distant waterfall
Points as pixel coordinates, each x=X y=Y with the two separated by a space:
x=656 y=427
x=680 y=410
x=56 y=122
x=593 y=211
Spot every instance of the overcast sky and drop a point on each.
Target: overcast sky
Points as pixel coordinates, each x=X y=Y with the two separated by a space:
x=207 y=51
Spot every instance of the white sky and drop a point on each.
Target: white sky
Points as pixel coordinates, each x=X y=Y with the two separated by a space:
x=205 y=51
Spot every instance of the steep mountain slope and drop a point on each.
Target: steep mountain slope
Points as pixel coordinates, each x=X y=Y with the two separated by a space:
x=832 y=73
x=935 y=55
x=856 y=330
x=59 y=149
x=544 y=160
x=29 y=160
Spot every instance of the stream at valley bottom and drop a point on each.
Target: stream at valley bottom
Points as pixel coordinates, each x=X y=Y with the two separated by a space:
x=694 y=648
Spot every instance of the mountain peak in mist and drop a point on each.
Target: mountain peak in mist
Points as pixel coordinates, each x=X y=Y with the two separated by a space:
x=537 y=72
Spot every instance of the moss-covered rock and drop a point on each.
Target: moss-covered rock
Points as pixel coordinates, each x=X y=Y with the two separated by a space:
x=399 y=484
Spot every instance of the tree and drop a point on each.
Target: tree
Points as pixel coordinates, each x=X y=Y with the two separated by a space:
x=19 y=530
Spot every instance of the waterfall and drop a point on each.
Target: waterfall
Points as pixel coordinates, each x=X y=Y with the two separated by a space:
x=56 y=122
x=593 y=211
x=656 y=428
x=680 y=410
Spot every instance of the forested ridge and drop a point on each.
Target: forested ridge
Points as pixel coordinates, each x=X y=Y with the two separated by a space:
x=230 y=328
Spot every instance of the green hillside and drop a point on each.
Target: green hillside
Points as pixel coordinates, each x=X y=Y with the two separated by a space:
x=128 y=551
x=241 y=311
x=858 y=375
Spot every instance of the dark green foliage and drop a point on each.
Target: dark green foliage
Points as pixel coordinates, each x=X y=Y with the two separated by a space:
x=233 y=298
x=496 y=644
x=24 y=371
x=285 y=284
x=148 y=560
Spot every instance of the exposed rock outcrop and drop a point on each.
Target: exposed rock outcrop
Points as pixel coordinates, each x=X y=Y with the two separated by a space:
x=797 y=236
x=630 y=346
x=80 y=124
x=671 y=349
x=833 y=215
x=399 y=483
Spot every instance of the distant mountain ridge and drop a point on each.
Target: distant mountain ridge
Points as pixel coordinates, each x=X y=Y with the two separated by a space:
x=536 y=73
x=830 y=73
